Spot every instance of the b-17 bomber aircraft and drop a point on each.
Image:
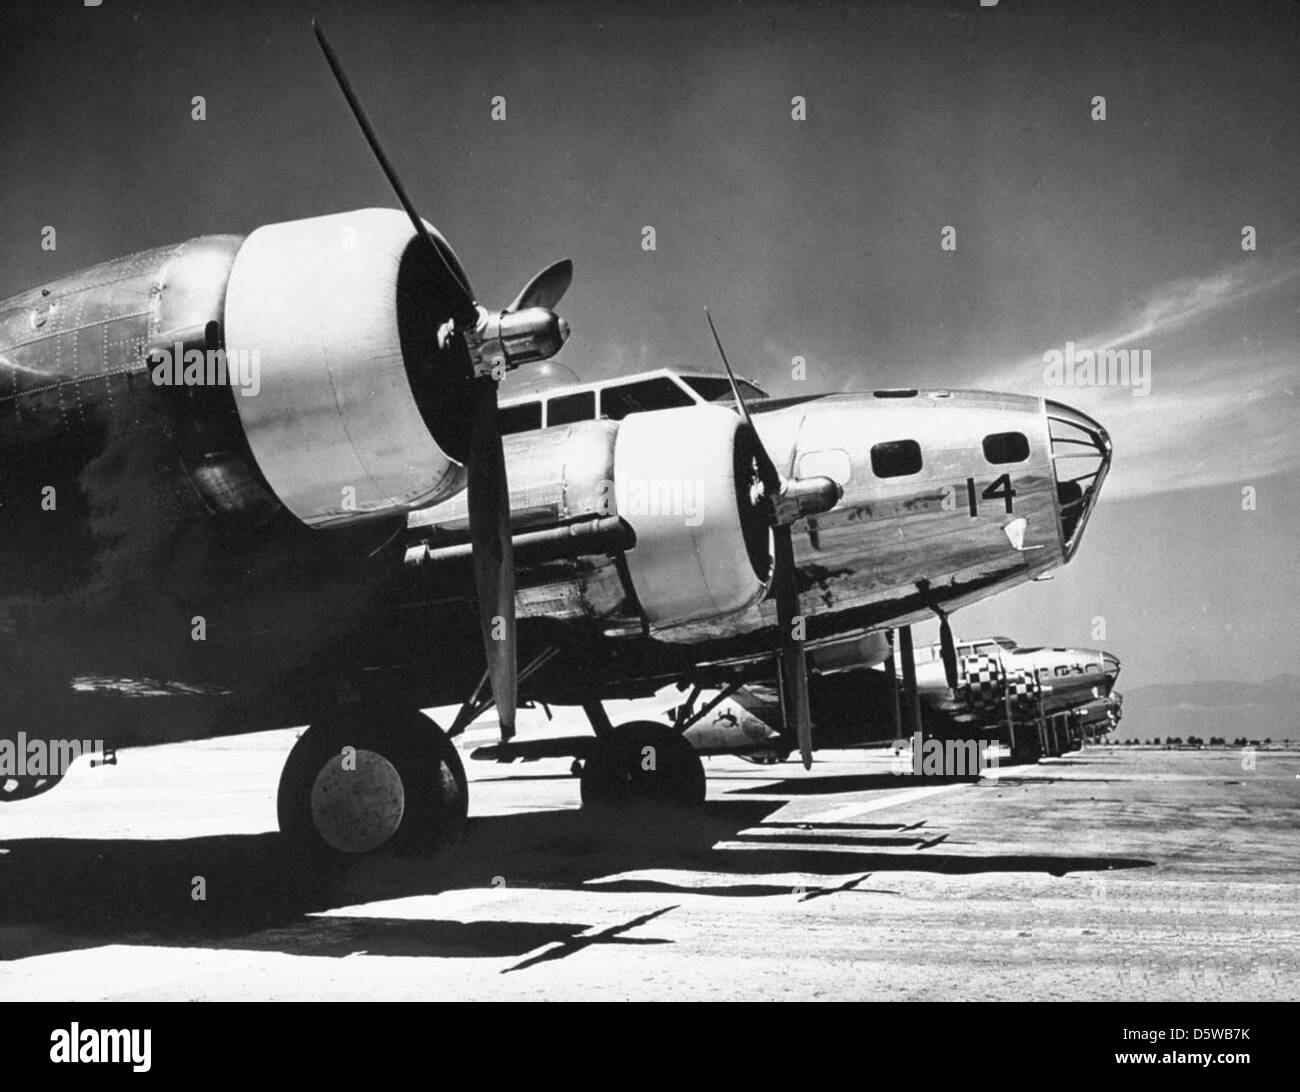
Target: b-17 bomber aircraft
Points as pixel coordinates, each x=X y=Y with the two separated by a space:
x=1038 y=700
x=262 y=481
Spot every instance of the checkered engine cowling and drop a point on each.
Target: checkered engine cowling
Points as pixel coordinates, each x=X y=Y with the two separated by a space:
x=1023 y=686
x=981 y=678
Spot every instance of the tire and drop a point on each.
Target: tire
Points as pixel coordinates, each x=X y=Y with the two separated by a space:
x=1026 y=754
x=616 y=774
x=409 y=798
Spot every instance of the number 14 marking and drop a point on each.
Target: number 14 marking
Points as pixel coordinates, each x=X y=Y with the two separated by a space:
x=1000 y=488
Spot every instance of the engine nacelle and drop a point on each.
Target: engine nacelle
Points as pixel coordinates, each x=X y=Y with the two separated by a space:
x=341 y=313
x=1025 y=693
x=685 y=480
x=984 y=683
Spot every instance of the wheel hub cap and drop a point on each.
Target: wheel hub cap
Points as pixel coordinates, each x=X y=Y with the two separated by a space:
x=357 y=801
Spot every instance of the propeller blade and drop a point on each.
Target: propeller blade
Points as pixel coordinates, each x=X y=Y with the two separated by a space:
x=546 y=289
x=767 y=471
x=949 y=652
x=791 y=658
x=494 y=567
x=792 y=662
x=448 y=260
x=731 y=376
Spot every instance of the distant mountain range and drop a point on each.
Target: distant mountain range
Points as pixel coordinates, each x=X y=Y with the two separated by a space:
x=1262 y=710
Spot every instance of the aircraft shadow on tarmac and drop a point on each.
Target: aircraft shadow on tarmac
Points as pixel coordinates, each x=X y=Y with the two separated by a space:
x=67 y=894
x=817 y=786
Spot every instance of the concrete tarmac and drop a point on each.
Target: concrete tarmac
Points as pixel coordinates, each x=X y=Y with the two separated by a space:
x=1115 y=873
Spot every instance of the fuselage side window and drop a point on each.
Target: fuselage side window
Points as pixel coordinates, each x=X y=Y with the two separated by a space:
x=896 y=458
x=1006 y=447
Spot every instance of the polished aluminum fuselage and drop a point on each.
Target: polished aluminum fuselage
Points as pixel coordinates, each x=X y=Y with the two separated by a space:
x=889 y=552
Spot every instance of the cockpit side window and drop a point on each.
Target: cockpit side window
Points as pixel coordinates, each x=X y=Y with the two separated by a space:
x=713 y=389
x=525 y=417
x=649 y=394
x=896 y=458
x=571 y=407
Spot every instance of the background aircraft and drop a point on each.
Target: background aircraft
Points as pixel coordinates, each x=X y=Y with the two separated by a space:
x=1034 y=701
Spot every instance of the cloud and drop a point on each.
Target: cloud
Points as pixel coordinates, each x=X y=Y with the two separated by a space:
x=1183 y=302
x=1222 y=406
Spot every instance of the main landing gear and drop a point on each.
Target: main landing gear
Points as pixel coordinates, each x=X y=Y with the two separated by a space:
x=638 y=763
x=369 y=780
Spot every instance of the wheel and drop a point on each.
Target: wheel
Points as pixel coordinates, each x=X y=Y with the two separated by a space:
x=643 y=762
x=1026 y=752
x=765 y=758
x=1024 y=747
x=398 y=787
x=958 y=750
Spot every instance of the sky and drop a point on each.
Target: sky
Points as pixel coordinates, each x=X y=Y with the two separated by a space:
x=817 y=238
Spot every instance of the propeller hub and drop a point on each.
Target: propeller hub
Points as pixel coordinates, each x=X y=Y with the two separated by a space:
x=503 y=340
x=805 y=497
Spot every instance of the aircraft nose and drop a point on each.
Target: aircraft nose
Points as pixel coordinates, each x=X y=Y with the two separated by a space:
x=1081 y=452
x=1110 y=665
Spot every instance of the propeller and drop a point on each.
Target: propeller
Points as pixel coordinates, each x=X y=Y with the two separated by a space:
x=441 y=252
x=546 y=289
x=792 y=666
x=526 y=331
x=948 y=652
x=947 y=649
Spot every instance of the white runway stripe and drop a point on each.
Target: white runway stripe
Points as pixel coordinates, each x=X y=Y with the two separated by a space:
x=848 y=811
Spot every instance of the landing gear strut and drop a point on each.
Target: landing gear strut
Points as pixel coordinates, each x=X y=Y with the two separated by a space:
x=366 y=780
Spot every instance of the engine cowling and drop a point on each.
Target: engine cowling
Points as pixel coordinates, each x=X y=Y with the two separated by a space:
x=1024 y=692
x=355 y=414
x=984 y=683
x=686 y=481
